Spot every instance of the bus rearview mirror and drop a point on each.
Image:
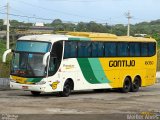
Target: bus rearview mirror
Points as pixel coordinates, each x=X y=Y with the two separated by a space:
x=5 y=54
x=45 y=57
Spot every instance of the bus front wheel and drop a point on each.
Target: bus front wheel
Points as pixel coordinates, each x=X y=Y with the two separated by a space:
x=126 y=85
x=66 y=90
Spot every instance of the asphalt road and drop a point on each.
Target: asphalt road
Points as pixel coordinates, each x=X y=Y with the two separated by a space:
x=80 y=105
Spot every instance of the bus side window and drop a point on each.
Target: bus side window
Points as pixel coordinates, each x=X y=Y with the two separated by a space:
x=123 y=49
x=110 y=49
x=84 y=49
x=70 y=50
x=144 y=49
x=137 y=49
x=134 y=49
x=57 y=50
x=52 y=66
x=152 y=49
x=55 y=58
x=101 y=49
x=95 y=49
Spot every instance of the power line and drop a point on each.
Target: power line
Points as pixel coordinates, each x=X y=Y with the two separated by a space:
x=2 y=6
x=83 y=1
x=33 y=17
x=13 y=9
x=48 y=19
x=57 y=11
x=24 y=16
x=40 y=18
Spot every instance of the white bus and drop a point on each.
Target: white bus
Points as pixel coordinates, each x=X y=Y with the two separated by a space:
x=81 y=61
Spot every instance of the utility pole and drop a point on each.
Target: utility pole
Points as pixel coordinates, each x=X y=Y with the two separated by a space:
x=111 y=25
x=128 y=16
x=8 y=24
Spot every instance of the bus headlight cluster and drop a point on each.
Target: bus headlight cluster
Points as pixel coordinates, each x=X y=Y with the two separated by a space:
x=40 y=83
x=12 y=80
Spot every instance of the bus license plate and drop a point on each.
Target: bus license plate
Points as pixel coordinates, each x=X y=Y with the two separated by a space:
x=24 y=87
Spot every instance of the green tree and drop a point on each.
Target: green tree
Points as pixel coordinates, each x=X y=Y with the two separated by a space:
x=58 y=25
x=81 y=26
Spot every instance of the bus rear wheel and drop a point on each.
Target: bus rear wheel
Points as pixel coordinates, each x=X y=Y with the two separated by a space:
x=35 y=93
x=135 y=85
x=126 y=85
x=66 y=90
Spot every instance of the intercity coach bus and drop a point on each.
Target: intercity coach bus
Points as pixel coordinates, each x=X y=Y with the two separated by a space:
x=82 y=61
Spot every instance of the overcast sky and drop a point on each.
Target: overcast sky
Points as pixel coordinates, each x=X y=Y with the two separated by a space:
x=101 y=11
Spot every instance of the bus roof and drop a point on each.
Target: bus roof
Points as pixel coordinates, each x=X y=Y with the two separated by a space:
x=45 y=37
x=84 y=36
x=110 y=37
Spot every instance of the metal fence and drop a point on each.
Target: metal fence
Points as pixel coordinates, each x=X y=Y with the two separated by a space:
x=4 y=83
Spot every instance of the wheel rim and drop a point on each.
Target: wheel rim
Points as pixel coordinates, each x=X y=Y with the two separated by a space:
x=136 y=84
x=67 y=89
x=127 y=85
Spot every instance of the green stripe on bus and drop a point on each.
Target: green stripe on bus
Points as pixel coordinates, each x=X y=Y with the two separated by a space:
x=98 y=70
x=92 y=70
x=34 y=80
x=83 y=39
x=87 y=70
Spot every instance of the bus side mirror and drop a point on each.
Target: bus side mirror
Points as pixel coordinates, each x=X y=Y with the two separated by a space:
x=45 y=58
x=5 y=55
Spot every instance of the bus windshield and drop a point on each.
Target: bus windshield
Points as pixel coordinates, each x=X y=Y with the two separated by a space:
x=33 y=46
x=28 y=59
x=28 y=65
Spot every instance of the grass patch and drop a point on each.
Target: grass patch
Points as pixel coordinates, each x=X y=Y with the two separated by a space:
x=4 y=67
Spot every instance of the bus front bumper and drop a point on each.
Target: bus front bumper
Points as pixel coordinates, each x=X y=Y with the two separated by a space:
x=29 y=87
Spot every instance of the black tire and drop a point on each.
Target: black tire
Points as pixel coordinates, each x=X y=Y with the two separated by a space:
x=135 y=85
x=66 y=90
x=35 y=93
x=98 y=90
x=126 y=85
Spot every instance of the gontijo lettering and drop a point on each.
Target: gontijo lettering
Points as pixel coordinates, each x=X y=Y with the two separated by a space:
x=122 y=63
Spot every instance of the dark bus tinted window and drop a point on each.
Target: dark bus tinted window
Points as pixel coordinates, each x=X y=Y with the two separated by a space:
x=123 y=49
x=100 y=49
x=70 y=50
x=84 y=49
x=134 y=49
x=78 y=49
x=110 y=49
x=144 y=49
x=97 y=49
x=152 y=49
x=57 y=49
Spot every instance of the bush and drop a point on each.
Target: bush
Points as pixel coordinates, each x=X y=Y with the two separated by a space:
x=4 y=67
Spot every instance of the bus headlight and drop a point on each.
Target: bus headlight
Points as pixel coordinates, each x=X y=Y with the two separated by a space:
x=40 y=83
x=12 y=80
